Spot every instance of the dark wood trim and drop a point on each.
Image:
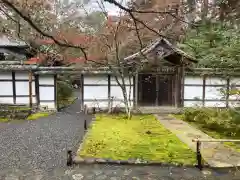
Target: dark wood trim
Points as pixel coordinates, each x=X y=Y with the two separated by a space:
x=17 y=80
x=204 y=90
x=30 y=89
x=182 y=87
x=206 y=85
x=82 y=92
x=47 y=85
x=209 y=100
x=105 y=100
x=109 y=91
x=17 y=96
x=47 y=101
x=134 y=91
x=14 y=87
x=37 y=89
x=55 y=92
x=104 y=85
x=157 y=90
x=227 y=92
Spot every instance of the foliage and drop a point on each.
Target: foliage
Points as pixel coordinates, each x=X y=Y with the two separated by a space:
x=214 y=45
x=142 y=137
x=64 y=90
x=219 y=123
x=37 y=115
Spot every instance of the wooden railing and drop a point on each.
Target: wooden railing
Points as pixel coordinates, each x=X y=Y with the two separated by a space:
x=198 y=148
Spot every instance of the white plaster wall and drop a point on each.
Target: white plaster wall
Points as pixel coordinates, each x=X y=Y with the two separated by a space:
x=195 y=92
x=5 y=75
x=22 y=88
x=6 y=88
x=117 y=93
x=96 y=91
x=47 y=91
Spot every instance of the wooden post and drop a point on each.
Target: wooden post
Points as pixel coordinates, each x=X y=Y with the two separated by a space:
x=227 y=92
x=30 y=88
x=204 y=91
x=157 y=90
x=177 y=87
x=136 y=91
x=81 y=92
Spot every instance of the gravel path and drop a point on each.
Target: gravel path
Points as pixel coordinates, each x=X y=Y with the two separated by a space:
x=41 y=144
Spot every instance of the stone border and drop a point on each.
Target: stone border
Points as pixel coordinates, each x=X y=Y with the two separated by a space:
x=78 y=161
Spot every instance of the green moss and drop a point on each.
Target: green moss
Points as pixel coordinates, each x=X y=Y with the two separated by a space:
x=4 y=120
x=142 y=137
x=38 y=115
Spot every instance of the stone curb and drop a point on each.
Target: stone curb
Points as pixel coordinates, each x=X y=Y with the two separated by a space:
x=78 y=161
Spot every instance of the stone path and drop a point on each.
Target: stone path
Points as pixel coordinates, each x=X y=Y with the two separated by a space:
x=216 y=154
x=41 y=145
x=107 y=172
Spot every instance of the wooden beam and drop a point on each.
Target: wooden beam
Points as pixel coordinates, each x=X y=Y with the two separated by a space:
x=55 y=92
x=204 y=90
x=109 y=93
x=157 y=90
x=227 y=92
x=81 y=92
x=14 y=87
x=37 y=89
x=135 y=91
x=176 y=99
x=30 y=74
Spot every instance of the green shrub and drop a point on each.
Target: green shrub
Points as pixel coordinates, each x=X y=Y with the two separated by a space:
x=64 y=91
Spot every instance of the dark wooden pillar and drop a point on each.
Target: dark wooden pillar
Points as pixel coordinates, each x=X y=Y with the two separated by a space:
x=81 y=96
x=30 y=87
x=227 y=92
x=109 y=92
x=14 y=87
x=157 y=90
x=55 y=92
x=176 y=98
x=37 y=89
x=204 y=91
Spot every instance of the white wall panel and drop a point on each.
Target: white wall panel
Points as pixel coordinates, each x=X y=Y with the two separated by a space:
x=215 y=104
x=191 y=92
x=6 y=88
x=116 y=92
x=22 y=75
x=192 y=104
x=101 y=104
x=46 y=93
x=22 y=88
x=213 y=93
x=98 y=79
x=5 y=75
x=193 y=80
x=235 y=81
x=6 y=100
x=215 y=81
x=126 y=80
x=95 y=92
x=25 y=100
x=46 y=80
